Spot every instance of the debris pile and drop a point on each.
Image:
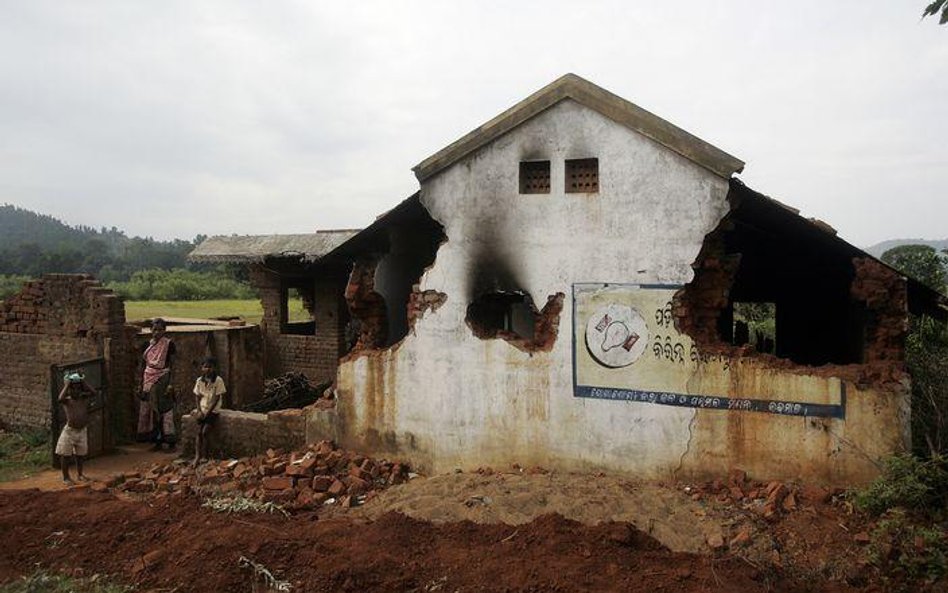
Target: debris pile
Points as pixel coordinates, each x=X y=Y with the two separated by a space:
x=318 y=475
x=290 y=390
x=769 y=500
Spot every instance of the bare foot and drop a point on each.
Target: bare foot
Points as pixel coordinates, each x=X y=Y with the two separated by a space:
x=82 y=478
x=68 y=482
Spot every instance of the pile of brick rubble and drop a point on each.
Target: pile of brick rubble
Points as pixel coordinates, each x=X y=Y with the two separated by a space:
x=768 y=499
x=318 y=475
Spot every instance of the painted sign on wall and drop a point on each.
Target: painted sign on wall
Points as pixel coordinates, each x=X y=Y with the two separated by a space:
x=626 y=347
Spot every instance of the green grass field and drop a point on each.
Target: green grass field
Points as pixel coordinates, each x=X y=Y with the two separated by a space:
x=250 y=310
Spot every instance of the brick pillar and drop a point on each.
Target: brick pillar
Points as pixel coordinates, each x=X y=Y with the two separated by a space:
x=270 y=290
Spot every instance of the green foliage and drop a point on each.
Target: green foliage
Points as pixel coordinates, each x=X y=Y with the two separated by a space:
x=761 y=323
x=42 y=581
x=907 y=482
x=926 y=356
x=181 y=285
x=934 y=8
x=921 y=262
x=905 y=550
x=23 y=453
x=11 y=284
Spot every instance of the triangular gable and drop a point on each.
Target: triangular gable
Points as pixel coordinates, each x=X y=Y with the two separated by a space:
x=571 y=86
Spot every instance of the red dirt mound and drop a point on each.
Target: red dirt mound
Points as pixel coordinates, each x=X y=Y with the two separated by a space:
x=169 y=540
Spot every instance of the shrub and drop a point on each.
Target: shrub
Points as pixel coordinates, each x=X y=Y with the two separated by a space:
x=926 y=355
x=10 y=285
x=907 y=482
x=181 y=285
x=902 y=548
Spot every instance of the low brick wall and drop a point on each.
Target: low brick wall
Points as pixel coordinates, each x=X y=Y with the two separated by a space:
x=238 y=434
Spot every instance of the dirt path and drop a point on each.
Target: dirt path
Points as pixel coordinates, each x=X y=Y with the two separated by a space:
x=125 y=459
x=669 y=516
x=169 y=541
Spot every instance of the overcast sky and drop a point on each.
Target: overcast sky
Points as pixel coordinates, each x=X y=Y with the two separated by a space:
x=171 y=119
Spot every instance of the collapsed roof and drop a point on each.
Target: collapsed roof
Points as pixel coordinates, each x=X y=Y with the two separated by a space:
x=776 y=223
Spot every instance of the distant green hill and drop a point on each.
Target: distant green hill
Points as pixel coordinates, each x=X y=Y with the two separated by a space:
x=18 y=225
x=32 y=244
x=879 y=248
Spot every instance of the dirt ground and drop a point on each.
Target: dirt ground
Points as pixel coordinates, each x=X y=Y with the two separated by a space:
x=170 y=543
x=486 y=531
x=123 y=459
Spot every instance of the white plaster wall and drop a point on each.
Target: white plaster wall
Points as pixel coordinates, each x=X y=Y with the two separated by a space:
x=450 y=399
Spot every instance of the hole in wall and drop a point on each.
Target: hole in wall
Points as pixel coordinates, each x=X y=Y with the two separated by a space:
x=513 y=317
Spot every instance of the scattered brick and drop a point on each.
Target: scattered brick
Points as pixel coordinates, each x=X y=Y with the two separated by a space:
x=302 y=479
x=742 y=538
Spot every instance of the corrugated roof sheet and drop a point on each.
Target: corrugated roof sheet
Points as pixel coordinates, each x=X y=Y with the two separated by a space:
x=257 y=248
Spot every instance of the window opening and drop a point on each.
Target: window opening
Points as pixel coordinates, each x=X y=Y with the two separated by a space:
x=296 y=309
x=535 y=177
x=582 y=176
x=502 y=315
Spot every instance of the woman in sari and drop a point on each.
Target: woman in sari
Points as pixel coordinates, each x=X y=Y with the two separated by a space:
x=156 y=409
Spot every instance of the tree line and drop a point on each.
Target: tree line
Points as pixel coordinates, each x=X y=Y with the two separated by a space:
x=138 y=268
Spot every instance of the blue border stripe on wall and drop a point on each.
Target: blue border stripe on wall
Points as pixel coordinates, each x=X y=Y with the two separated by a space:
x=710 y=402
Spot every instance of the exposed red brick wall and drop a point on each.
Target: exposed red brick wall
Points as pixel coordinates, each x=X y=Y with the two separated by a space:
x=366 y=306
x=885 y=295
x=420 y=302
x=548 y=323
x=698 y=306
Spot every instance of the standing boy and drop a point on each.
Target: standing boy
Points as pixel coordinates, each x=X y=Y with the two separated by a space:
x=208 y=389
x=73 y=440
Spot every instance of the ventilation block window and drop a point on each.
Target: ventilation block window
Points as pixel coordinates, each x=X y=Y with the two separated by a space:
x=535 y=177
x=756 y=324
x=582 y=176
